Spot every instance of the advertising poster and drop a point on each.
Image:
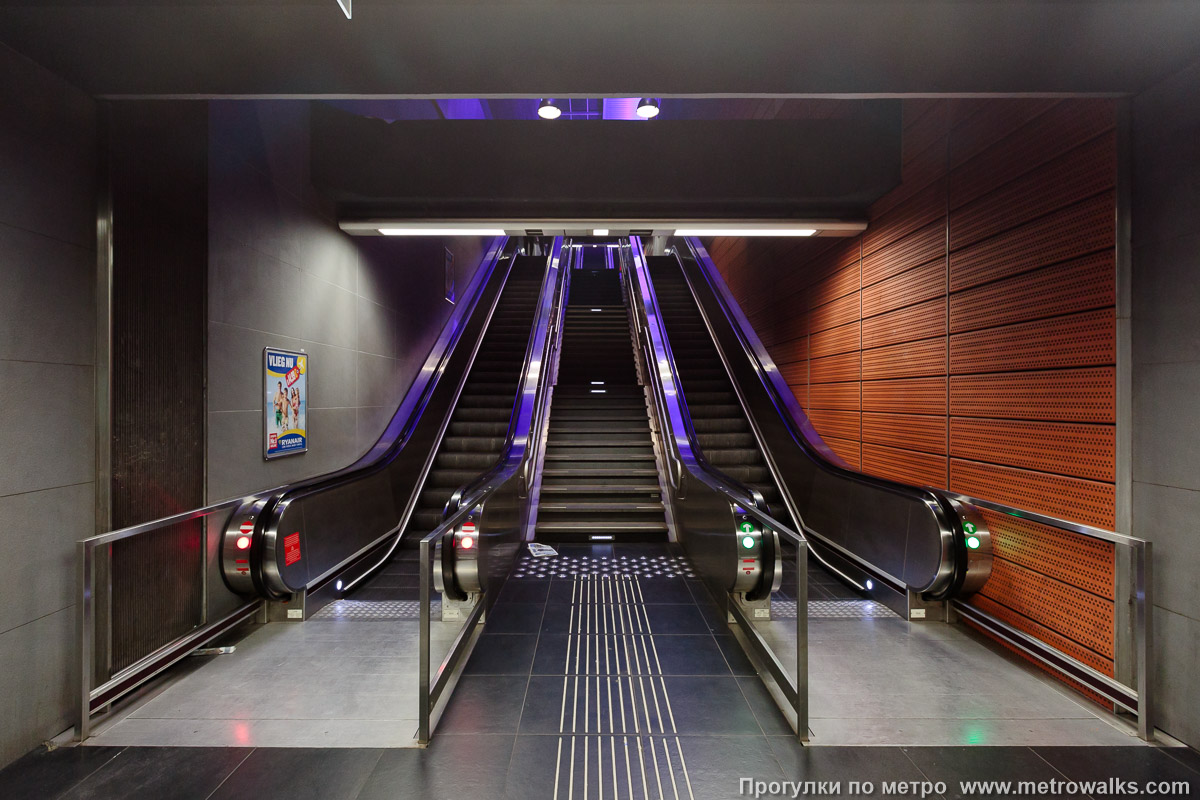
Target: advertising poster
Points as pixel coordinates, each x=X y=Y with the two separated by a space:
x=286 y=404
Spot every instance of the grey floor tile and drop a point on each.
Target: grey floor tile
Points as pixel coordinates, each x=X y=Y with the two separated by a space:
x=1141 y=764
x=959 y=766
x=300 y=774
x=676 y=619
x=502 y=654
x=453 y=767
x=485 y=704
x=739 y=663
x=717 y=764
x=515 y=618
x=843 y=764
x=524 y=591
x=706 y=705
x=46 y=774
x=182 y=773
x=766 y=710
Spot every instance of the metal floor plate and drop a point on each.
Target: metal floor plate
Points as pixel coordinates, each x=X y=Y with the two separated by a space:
x=376 y=610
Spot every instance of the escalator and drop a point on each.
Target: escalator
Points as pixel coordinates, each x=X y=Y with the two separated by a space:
x=479 y=424
x=460 y=435
x=738 y=429
x=722 y=429
x=599 y=479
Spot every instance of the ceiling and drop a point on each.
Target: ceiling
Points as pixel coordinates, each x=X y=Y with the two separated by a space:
x=531 y=48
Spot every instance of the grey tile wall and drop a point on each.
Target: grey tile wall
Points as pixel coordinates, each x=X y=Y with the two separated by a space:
x=282 y=274
x=47 y=345
x=1166 y=380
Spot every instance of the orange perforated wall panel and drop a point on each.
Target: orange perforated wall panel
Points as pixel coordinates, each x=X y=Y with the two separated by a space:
x=966 y=339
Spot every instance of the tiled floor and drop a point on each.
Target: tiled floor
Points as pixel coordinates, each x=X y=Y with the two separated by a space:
x=345 y=678
x=616 y=687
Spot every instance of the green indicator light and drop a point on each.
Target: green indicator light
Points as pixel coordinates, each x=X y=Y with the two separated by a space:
x=969 y=527
x=973 y=542
x=746 y=527
x=748 y=542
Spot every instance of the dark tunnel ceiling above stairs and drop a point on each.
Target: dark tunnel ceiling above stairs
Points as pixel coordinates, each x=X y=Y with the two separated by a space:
x=704 y=169
x=545 y=47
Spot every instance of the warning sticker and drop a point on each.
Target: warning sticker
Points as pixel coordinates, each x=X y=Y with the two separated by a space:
x=291 y=549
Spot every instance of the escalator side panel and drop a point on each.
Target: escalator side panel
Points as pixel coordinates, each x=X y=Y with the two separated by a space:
x=900 y=533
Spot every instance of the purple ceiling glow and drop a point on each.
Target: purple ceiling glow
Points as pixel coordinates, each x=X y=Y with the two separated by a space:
x=464 y=108
x=621 y=108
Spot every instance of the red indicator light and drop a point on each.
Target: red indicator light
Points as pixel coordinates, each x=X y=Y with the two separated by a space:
x=468 y=527
x=466 y=542
x=243 y=542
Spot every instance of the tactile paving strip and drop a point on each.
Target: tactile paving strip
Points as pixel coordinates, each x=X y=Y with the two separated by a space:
x=376 y=611
x=567 y=566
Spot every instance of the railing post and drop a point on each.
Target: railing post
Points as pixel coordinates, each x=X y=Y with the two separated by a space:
x=423 y=703
x=802 y=640
x=1144 y=616
x=85 y=634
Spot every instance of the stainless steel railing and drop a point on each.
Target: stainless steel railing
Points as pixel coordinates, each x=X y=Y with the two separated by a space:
x=97 y=686
x=679 y=441
x=508 y=478
x=1135 y=699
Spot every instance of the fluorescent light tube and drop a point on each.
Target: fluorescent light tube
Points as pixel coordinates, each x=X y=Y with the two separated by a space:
x=745 y=231
x=409 y=231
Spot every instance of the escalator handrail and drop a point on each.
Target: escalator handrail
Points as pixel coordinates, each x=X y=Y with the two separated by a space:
x=516 y=445
x=665 y=389
x=530 y=392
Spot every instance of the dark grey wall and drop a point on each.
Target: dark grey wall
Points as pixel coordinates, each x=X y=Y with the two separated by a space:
x=1166 y=381
x=282 y=274
x=47 y=343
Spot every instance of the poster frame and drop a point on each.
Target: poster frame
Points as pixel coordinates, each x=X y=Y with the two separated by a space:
x=268 y=409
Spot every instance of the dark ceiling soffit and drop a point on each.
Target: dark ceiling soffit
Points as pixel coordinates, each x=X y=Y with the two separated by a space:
x=717 y=169
x=659 y=47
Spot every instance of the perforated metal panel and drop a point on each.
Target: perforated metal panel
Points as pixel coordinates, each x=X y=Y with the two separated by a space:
x=1083 y=451
x=1076 y=499
x=1079 y=340
x=905 y=396
x=916 y=212
x=1073 y=559
x=906 y=324
x=979 y=124
x=905 y=289
x=926 y=130
x=1072 y=286
x=905 y=360
x=907 y=466
x=909 y=431
x=842 y=367
x=1077 y=395
x=1076 y=231
x=925 y=245
x=1054 y=605
x=839 y=284
x=1049 y=635
x=836 y=396
x=1067 y=125
x=835 y=340
x=846 y=448
x=842 y=311
x=840 y=424
x=1081 y=173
